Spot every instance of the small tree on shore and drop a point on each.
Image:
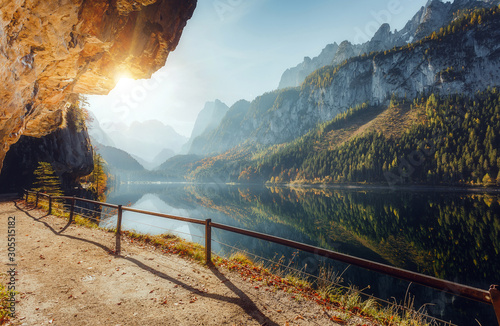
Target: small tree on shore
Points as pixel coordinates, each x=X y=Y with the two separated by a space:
x=97 y=180
x=46 y=180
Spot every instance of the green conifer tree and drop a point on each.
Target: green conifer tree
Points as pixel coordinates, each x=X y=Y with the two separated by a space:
x=46 y=180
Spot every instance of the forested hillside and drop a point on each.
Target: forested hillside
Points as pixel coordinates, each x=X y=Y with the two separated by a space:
x=430 y=140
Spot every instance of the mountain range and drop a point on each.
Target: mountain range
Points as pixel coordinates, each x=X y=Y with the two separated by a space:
x=283 y=115
x=446 y=49
x=150 y=142
x=434 y=15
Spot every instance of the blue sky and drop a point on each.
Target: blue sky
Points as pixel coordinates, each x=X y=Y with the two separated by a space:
x=238 y=49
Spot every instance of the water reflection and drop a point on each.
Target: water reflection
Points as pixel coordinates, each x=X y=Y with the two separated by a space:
x=451 y=235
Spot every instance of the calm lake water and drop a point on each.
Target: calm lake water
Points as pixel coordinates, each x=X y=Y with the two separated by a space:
x=448 y=234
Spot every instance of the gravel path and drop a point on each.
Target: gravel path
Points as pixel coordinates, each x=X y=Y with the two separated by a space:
x=67 y=276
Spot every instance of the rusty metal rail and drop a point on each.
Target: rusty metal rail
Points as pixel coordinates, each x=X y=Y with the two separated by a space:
x=445 y=286
x=491 y=296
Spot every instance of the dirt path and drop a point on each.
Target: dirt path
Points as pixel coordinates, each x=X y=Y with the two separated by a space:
x=66 y=276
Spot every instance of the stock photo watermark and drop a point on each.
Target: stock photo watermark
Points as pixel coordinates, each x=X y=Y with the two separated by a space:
x=223 y=8
x=386 y=15
x=11 y=265
x=132 y=100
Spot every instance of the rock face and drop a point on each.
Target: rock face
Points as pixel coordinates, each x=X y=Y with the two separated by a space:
x=51 y=49
x=434 y=15
x=462 y=62
x=295 y=76
x=208 y=120
x=68 y=149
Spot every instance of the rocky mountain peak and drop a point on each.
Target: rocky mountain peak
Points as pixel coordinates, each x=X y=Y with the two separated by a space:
x=431 y=17
x=383 y=32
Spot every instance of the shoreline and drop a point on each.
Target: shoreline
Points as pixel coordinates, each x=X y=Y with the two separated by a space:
x=348 y=186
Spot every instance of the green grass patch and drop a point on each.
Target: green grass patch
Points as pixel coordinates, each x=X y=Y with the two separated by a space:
x=5 y=295
x=169 y=244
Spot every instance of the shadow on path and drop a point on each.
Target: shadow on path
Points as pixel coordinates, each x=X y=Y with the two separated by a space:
x=242 y=300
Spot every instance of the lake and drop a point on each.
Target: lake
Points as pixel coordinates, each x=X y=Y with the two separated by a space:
x=453 y=235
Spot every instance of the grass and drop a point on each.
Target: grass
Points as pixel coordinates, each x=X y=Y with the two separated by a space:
x=166 y=242
x=59 y=211
x=4 y=303
x=343 y=303
x=169 y=244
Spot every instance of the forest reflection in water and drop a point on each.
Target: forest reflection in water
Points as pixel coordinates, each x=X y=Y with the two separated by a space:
x=452 y=235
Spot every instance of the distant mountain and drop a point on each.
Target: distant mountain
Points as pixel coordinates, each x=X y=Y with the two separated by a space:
x=219 y=139
x=208 y=119
x=125 y=168
x=145 y=164
x=96 y=133
x=433 y=16
x=147 y=139
x=150 y=142
x=118 y=159
x=164 y=155
x=178 y=166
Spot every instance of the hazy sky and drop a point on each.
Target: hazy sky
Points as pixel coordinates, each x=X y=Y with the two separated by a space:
x=238 y=49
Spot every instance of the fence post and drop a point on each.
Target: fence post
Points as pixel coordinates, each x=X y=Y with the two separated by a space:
x=208 y=242
x=37 y=195
x=50 y=205
x=495 y=300
x=72 y=209
x=118 y=246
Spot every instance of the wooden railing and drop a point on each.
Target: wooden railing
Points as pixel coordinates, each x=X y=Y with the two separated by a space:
x=491 y=296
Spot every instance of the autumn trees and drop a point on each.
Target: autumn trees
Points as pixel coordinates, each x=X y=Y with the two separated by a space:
x=455 y=142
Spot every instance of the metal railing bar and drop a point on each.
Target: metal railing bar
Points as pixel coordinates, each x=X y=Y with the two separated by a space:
x=430 y=281
x=88 y=201
x=286 y=267
x=178 y=218
x=159 y=227
x=77 y=198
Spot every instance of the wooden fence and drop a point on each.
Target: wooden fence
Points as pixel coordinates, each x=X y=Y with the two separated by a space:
x=491 y=296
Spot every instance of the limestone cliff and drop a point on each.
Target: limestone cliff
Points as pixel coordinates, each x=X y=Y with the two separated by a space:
x=463 y=62
x=431 y=17
x=51 y=50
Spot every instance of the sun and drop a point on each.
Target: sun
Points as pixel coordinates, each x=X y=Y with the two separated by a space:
x=123 y=75
x=124 y=84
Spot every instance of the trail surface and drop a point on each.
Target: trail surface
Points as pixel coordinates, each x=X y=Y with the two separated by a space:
x=66 y=275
